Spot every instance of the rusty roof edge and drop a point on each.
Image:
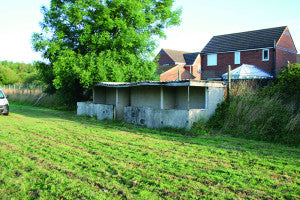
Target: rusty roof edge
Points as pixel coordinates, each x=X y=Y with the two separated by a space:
x=196 y=83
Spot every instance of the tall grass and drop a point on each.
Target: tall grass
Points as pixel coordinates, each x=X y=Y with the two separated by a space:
x=31 y=97
x=250 y=114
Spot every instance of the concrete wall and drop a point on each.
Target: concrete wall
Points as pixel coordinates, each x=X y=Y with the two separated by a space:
x=110 y=94
x=122 y=101
x=181 y=98
x=169 y=94
x=196 y=115
x=99 y=95
x=197 y=98
x=157 y=118
x=104 y=95
x=214 y=96
x=102 y=111
x=145 y=96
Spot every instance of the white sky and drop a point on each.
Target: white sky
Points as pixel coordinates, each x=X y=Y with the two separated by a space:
x=201 y=20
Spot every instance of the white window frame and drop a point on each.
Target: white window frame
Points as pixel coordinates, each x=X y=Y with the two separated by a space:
x=199 y=68
x=237 y=57
x=263 y=53
x=212 y=59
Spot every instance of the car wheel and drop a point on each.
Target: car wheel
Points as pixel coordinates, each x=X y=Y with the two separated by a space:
x=7 y=110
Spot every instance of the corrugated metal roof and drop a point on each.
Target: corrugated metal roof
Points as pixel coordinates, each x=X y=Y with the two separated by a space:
x=195 y=83
x=256 y=39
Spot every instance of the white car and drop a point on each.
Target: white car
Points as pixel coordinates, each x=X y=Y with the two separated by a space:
x=4 y=106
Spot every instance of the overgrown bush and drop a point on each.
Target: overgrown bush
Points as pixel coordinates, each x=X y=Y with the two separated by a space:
x=269 y=114
x=7 y=76
x=21 y=73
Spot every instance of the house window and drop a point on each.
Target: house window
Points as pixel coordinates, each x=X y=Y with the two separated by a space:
x=265 y=54
x=211 y=59
x=199 y=68
x=237 y=57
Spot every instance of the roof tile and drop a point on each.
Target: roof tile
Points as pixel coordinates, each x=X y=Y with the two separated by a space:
x=245 y=40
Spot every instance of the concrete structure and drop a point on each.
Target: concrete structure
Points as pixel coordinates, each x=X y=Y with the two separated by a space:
x=175 y=104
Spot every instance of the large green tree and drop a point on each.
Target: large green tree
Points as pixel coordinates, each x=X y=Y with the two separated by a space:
x=87 y=41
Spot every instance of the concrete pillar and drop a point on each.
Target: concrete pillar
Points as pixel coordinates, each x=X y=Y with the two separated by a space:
x=188 y=98
x=161 y=98
x=93 y=94
x=206 y=98
x=116 y=105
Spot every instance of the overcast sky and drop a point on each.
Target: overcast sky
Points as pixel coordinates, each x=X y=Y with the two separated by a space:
x=201 y=19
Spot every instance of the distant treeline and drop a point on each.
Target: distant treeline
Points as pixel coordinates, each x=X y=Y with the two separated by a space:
x=18 y=73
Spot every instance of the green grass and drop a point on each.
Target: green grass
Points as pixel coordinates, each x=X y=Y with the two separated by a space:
x=50 y=154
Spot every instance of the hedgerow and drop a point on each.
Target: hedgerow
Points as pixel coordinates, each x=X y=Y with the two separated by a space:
x=269 y=114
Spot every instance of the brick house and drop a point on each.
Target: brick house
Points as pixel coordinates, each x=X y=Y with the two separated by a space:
x=178 y=65
x=268 y=49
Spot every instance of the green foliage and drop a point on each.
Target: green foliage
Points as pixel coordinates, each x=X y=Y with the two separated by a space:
x=32 y=78
x=7 y=76
x=217 y=121
x=289 y=81
x=20 y=73
x=19 y=67
x=91 y=41
x=49 y=154
x=287 y=85
x=268 y=114
x=200 y=128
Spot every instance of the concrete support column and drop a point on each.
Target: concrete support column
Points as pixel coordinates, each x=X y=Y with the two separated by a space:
x=116 y=104
x=206 y=98
x=188 y=98
x=161 y=98
x=94 y=95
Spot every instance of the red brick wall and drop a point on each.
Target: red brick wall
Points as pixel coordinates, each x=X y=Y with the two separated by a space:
x=164 y=58
x=194 y=69
x=253 y=57
x=172 y=74
x=283 y=55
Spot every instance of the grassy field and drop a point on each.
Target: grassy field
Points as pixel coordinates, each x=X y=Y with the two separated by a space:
x=49 y=154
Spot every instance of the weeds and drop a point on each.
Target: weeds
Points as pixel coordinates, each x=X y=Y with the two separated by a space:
x=31 y=97
x=269 y=114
